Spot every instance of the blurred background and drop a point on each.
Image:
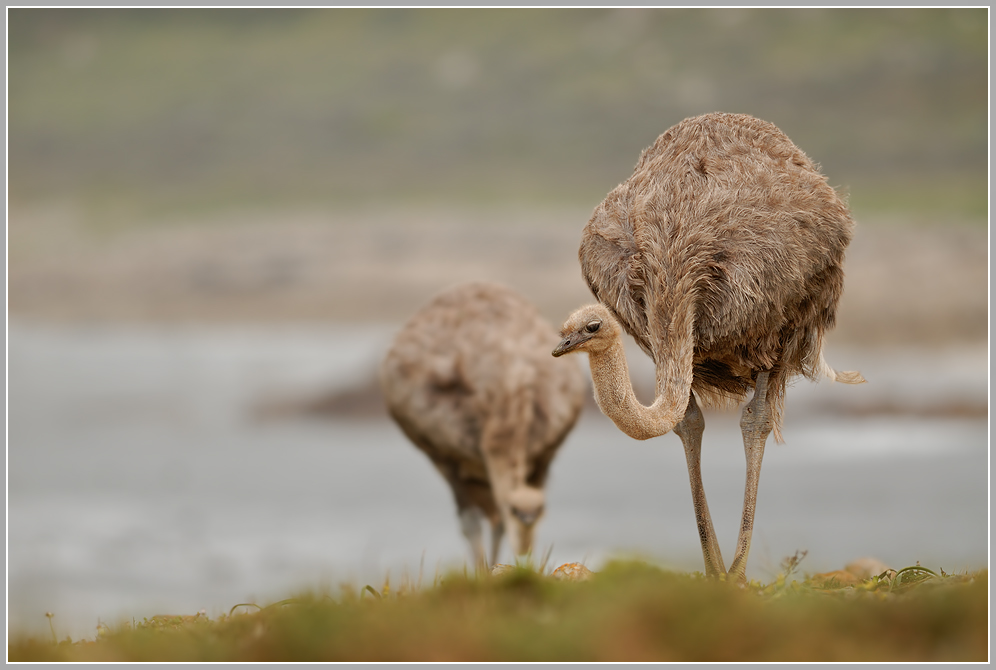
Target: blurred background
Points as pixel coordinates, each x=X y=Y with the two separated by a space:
x=217 y=219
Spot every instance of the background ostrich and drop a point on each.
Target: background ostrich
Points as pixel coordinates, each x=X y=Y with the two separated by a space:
x=470 y=381
x=721 y=255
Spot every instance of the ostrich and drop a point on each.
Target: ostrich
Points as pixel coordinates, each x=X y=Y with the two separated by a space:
x=470 y=381
x=721 y=256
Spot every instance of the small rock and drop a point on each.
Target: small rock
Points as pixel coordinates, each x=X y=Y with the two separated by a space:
x=573 y=572
x=501 y=569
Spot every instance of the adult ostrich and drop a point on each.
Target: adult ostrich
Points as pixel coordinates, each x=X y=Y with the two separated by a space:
x=721 y=255
x=470 y=381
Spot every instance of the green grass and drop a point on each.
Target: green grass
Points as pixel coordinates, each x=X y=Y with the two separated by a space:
x=628 y=611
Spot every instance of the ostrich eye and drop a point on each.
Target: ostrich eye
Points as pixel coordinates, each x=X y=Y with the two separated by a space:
x=593 y=326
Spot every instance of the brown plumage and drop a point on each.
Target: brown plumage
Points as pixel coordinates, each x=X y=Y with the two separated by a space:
x=470 y=381
x=722 y=256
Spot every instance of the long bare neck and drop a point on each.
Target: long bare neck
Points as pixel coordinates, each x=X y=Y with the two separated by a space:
x=614 y=395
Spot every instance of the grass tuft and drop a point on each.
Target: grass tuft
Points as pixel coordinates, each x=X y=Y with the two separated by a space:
x=628 y=611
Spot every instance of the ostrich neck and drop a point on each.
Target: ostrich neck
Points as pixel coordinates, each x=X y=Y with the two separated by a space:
x=614 y=395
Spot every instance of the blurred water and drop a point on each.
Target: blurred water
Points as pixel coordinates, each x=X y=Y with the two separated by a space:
x=140 y=482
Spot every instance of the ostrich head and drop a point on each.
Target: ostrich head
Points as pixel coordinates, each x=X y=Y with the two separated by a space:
x=591 y=329
x=526 y=507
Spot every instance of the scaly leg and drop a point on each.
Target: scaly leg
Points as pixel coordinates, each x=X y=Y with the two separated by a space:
x=467 y=497
x=470 y=524
x=755 y=424
x=690 y=429
x=503 y=445
x=497 y=532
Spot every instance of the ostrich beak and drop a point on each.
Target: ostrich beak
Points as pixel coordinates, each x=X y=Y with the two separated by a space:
x=566 y=346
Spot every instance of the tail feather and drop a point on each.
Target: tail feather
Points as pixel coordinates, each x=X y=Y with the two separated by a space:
x=848 y=377
x=844 y=377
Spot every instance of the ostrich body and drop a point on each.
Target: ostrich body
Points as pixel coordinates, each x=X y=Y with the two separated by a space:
x=722 y=257
x=470 y=381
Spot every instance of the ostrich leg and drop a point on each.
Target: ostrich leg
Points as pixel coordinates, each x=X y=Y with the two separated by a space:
x=503 y=439
x=471 y=516
x=497 y=533
x=470 y=524
x=755 y=424
x=690 y=429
